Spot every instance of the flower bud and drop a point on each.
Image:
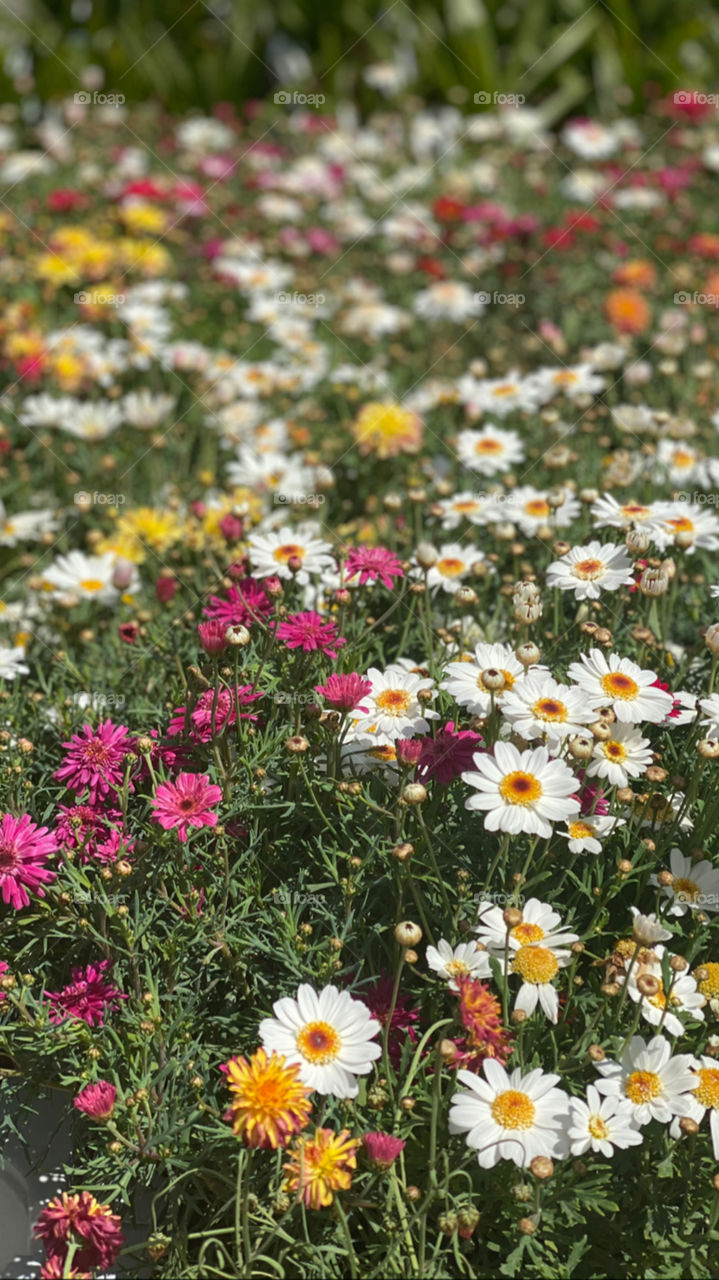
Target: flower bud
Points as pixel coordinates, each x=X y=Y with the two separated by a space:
x=413 y=793
x=528 y=654
x=542 y=1167
x=493 y=680
x=407 y=933
x=426 y=555
x=711 y=638
x=512 y=917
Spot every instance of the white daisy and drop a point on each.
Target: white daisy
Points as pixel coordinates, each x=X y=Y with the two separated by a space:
x=448 y=300
x=577 y=380
x=521 y=791
x=590 y=139
x=691 y=521
x=539 y=706
x=703 y=1097
x=539 y=923
x=393 y=708
x=271 y=553
x=647 y=1075
x=464 y=960
x=25 y=526
x=93 y=421
x=660 y=1009
x=537 y=965
x=695 y=886
x=12 y=662
x=623 y=755
x=528 y=507
x=146 y=409
x=477 y=508
x=619 y=683
x=710 y=707
x=509 y=1116
x=606 y=511
x=454 y=562
x=463 y=678
x=89 y=577
x=589 y=570
x=585 y=834
x=646 y=928
x=499 y=396
x=489 y=451
x=601 y=1124
x=328 y=1034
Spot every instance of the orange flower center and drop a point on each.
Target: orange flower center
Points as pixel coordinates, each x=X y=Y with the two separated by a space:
x=394 y=701
x=450 y=567
x=520 y=788
x=643 y=1086
x=527 y=932
x=489 y=445
x=287 y=551
x=619 y=685
x=588 y=570
x=550 y=709
x=537 y=507
x=513 y=1110
x=318 y=1043
x=92 y=584
x=613 y=750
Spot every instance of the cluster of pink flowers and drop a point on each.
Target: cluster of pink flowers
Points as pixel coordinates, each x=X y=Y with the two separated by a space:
x=88 y=997
x=80 y=1220
x=311 y=633
x=95 y=768
x=24 y=850
x=213 y=712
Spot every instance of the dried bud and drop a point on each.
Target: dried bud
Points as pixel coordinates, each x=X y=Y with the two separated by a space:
x=665 y=879
x=296 y=745
x=711 y=638
x=581 y=748
x=403 y=852
x=426 y=555
x=407 y=933
x=237 y=636
x=596 y=1053
x=413 y=793
x=678 y=964
x=527 y=1226
x=528 y=654
x=708 y=748
x=637 y=541
x=512 y=917
x=542 y=1167
x=648 y=985
x=688 y=1126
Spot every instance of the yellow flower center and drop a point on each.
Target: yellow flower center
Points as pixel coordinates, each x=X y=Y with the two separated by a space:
x=536 y=964
x=550 y=709
x=465 y=506
x=537 y=507
x=520 y=788
x=619 y=685
x=386 y=752
x=643 y=1086
x=681 y=524
x=513 y=1110
x=597 y=1127
x=92 y=584
x=707 y=1090
x=488 y=445
x=287 y=551
x=506 y=389
x=394 y=701
x=318 y=1043
x=613 y=750
x=527 y=932
x=686 y=889
x=456 y=967
x=709 y=986
x=565 y=378
x=580 y=830
x=588 y=569
x=450 y=567
x=635 y=511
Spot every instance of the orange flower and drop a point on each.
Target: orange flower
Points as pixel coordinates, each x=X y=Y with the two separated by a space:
x=270 y=1103
x=637 y=273
x=627 y=311
x=386 y=429
x=320 y=1165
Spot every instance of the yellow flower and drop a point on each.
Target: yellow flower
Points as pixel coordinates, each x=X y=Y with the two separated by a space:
x=269 y=1102
x=320 y=1165
x=386 y=429
x=144 y=527
x=141 y=217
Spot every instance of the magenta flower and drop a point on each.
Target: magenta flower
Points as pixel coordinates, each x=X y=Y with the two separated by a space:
x=95 y=758
x=592 y=798
x=24 y=849
x=408 y=752
x=4 y=967
x=373 y=564
x=382 y=1149
x=202 y=720
x=243 y=604
x=310 y=632
x=97 y=1100
x=448 y=755
x=345 y=693
x=378 y=999
x=95 y=834
x=88 y=997
x=187 y=802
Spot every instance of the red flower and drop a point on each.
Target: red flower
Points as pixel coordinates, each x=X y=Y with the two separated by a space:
x=88 y=997
x=80 y=1219
x=165 y=589
x=382 y=1149
x=448 y=755
x=209 y=716
x=378 y=999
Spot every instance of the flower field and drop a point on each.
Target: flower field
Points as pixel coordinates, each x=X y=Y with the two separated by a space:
x=359 y=633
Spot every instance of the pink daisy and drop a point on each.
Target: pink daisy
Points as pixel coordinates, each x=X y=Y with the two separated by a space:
x=213 y=635
x=186 y=803
x=24 y=849
x=242 y=605
x=345 y=693
x=88 y=997
x=310 y=632
x=96 y=835
x=373 y=564
x=202 y=720
x=94 y=761
x=97 y=1100
x=382 y=1149
x=448 y=755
